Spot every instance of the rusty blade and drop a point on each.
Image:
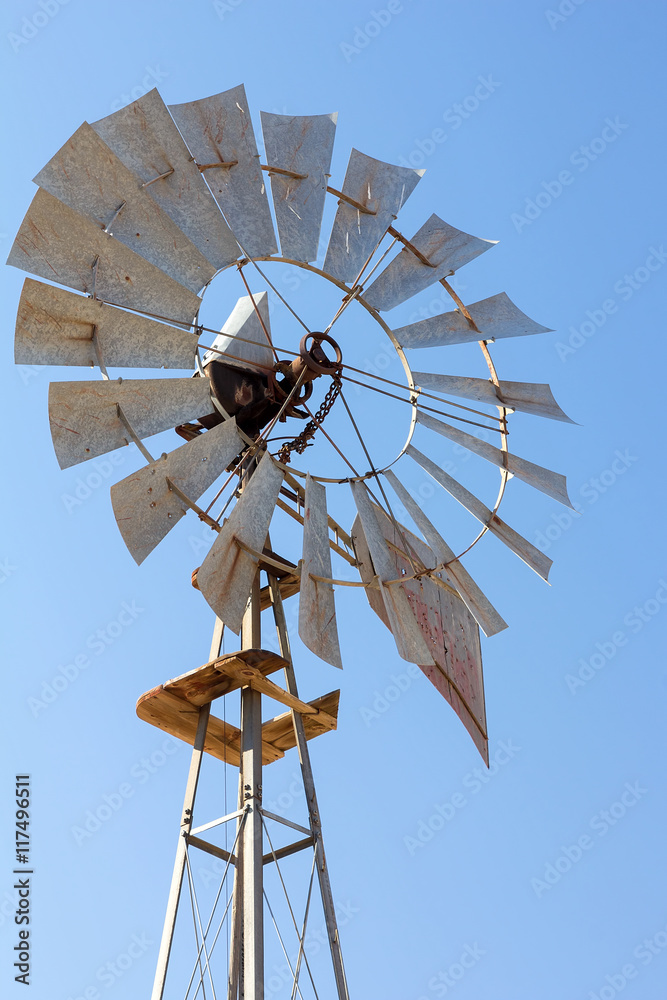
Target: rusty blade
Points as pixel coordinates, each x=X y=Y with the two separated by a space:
x=88 y=176
x=453 y=573
x=451 y=633
x=529 y=397
x=244 y=322
x=226 y=576
x=495 y=318
x=84 y=415
x=219 y=129
x=317 y=609
x=409 y=639
x=301 y=145
x=551 y=483
x=55 y=327
x=143 y=135
x=524 y=549
x=381 y=188
x=446 y=248
x=145 y=507
x=59 y=244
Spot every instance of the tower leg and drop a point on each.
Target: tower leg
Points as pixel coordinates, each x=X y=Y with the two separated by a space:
x=179 y=865
x=252 y=836
x=311 y=798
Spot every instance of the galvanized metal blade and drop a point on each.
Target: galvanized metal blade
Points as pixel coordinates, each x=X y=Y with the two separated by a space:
x=381 y=188
x=243 y=339
x=300 y=145
x=529 y=397
x=317 y=609
x=84 y=415
x=56 y=327
x=408 y=636
x=219 y=130
x=143 y=135
x=59 y=244
x=146 y=508
x=551 y=483
x=88 y=176
x=446 y=248
x=453 y=573
x=226 y=576
x=451 y=633
x=524 y=549
x=496 y=317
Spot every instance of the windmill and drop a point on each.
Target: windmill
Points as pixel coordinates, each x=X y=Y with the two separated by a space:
x=139 y=212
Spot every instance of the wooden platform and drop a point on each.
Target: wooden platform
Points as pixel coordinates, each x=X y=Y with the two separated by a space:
x=174 y=706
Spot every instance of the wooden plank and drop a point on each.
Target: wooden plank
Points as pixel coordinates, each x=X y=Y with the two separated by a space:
x=217 y=852
x=279 y=732
x=221 y=676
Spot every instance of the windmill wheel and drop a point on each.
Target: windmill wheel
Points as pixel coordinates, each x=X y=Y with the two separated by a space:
x=140 y=211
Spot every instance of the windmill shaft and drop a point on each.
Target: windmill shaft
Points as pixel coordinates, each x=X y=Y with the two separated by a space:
x=252 y=843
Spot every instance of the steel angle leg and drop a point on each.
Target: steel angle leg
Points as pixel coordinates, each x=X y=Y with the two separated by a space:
x=311 y=798
x=179 y=865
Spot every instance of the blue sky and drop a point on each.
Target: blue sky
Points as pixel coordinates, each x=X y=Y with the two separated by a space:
x=538 y=126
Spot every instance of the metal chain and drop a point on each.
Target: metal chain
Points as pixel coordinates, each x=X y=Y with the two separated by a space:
x=300 y=443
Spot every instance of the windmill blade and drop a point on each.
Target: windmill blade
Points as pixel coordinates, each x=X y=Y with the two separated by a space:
x=55 y=327
x=529 y=397
x=451 y=633
x=226 y=576
x=86 y=175
x=551 y=483
x=219 y=130
x=84 y=415
x=454 y=573
x=409 y=639
x=317 y=609
x=254 y=348
x=446 y=248
x=59 y=244
x=145 y=507
x=301 y=145
x=383 y=189
x=496 y=317
x=524 y=549
x=144 y=136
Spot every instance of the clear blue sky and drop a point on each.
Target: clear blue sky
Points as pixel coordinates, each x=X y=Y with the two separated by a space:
x=541 y=127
